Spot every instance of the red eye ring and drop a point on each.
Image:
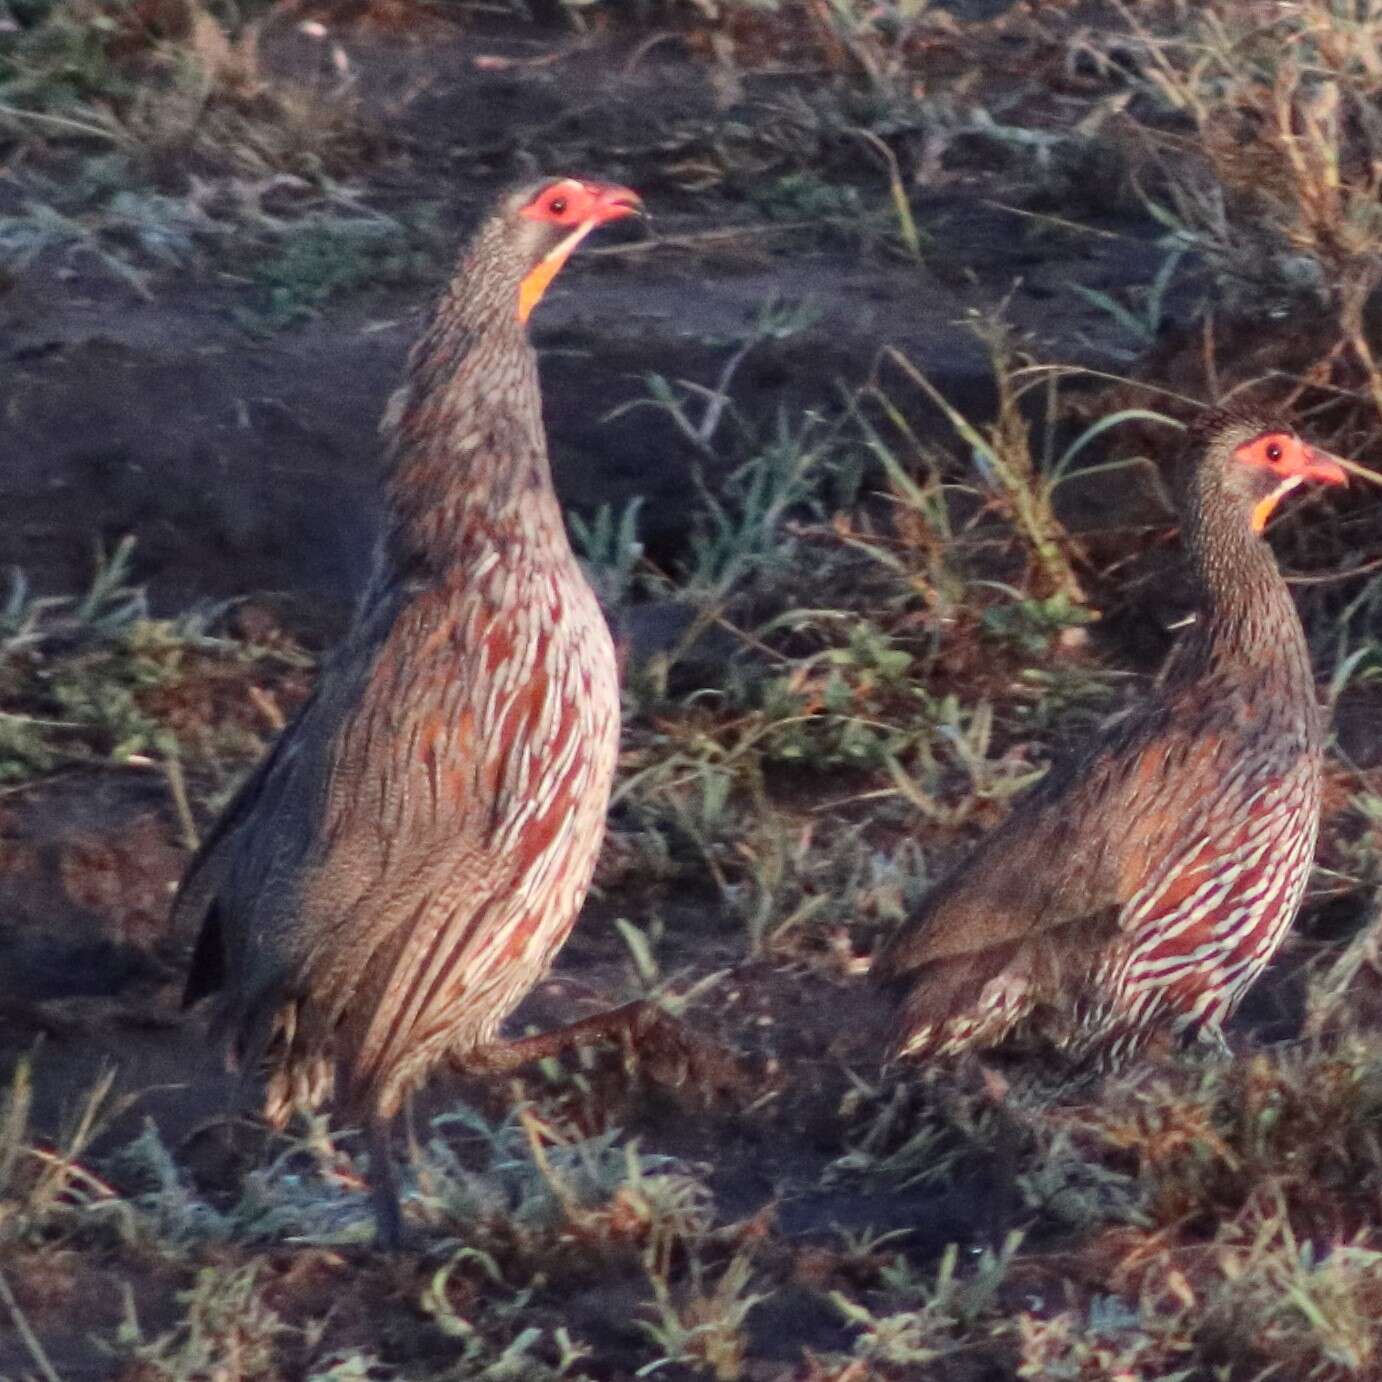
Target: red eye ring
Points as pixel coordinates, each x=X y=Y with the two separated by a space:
x=1274 y=452
x=558 y=205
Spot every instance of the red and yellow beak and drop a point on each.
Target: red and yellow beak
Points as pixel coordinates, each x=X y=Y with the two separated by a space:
x=1323 y=469
x=1302 y=465
x=612 y=202
x=590 y=205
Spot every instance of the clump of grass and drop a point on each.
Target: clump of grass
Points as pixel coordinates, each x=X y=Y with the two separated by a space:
x=540 y=1176
x=150 y=140
x=800 y=881
x=325 y=254
x=93 y=679
x=1013 y=470
x=611 y=550
x=876 y=47
x=893 y=1141
x=913 y=640
x=1260 y=123
x=1110 y=1337
x=183 y=84
x=1247 y=1234
x=36 y=631
x=930 y=1317
x=227 y=1328
x=1223 y=1213
x=700 y=1324
x=1299 y=1119
x=1282 y=100
x=46 y=1188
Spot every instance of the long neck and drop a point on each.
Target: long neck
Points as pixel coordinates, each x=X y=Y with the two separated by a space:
x=1247 y=623
x=468 y=456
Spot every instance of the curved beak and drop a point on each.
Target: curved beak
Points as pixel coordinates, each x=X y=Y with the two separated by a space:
x=614 y=202
x=1308 y=466
x=1323 y=469
x=611 y=203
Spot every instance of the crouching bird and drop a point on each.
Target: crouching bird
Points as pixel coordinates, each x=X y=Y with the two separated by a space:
x=1143 y=884
x=404 y=865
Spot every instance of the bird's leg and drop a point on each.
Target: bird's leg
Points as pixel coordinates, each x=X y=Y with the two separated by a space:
x=320 y=1146
x=1212 y=1037
x=383 y=1179
x=647 y=1029
x=1007 y=1143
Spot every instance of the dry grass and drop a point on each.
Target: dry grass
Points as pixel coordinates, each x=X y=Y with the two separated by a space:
x=95 y=679
x=175 y=82
x=893 y=618
x=1257 y=130
x=147 y=137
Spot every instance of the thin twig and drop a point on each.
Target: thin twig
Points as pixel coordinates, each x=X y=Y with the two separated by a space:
x=719 y=396
x=177 y=789
x=902 y=208
x=1361 y=471
x=1366 y=569
x=532 y=1130
x=1045 y=218
x=62 y=122
x=1087 y=373
x=21 y=1326
x=694 y=239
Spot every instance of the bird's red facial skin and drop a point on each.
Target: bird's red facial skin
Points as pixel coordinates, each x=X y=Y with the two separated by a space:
x=1286 y=455
x=576 y=207
x=574 y=203
x=1287 y=458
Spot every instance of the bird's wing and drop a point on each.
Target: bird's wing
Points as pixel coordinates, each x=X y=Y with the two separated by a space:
x=195 y=904
x=382 y=867
x=438 y=875
x=264 y=829
x=1075 y=849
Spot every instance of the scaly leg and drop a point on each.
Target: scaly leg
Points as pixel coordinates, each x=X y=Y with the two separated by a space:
x=383 y=1178
x=646 y=1028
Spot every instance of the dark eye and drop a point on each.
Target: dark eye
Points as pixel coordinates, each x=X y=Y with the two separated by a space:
x=1274 y=452
x=558 y=205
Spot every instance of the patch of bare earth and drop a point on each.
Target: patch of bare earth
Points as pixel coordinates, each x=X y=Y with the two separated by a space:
x=859 y=618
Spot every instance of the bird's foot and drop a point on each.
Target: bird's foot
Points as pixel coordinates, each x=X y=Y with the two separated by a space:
x=390 y=1232
x=670 y=1053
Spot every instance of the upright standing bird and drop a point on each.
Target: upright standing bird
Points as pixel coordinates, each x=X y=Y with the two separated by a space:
x=401 y=869
x=1146 y=883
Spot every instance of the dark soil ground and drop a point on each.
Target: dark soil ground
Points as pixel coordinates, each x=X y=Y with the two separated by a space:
x=243 y=462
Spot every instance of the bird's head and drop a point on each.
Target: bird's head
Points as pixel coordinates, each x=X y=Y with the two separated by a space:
x=541 y=223
x=1258 y=461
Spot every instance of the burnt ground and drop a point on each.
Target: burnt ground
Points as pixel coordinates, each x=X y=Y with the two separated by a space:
x=241 y=452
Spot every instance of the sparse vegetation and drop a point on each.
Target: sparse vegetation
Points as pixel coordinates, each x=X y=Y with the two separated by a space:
x=97 y=679
x=155 y=137
x=914 y=268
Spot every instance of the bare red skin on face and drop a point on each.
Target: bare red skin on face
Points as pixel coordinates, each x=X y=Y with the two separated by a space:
x=573 y=203
x=577 y=207
x=1284 y=455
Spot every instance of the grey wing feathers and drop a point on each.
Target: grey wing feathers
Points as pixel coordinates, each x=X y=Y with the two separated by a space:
x=265 y=823
x=195 y=904
x=992 y=896
x=1051 y=863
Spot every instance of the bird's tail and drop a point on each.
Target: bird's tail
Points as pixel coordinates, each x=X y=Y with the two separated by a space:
x=962 y=1003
